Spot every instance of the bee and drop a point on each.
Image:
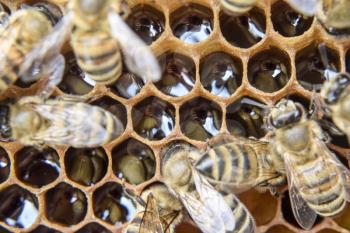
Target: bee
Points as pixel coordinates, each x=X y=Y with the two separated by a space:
x=32 y=121
x=318 y=181
x=98 y=34
x=243 y=163
x=206 y=206
x=237 y=7
x=333 y=15
x=160 y=214
x=19 y=35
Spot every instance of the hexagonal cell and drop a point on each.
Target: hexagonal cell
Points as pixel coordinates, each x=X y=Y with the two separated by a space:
x=19 y=207
x=111 y=205
x=44 y=229
x=5 y=165
x=37 y=167
x=65 y=204
x=153 y=118
x=279 y=229
x=288 y=22
x=261 y=213
x=86 y=166
x=200 y=119
x=133 y=161
x=178 y=74
x=313 y=68
x=147 y=22
x=93 y=227
x=328 y=231
x=127 y=85
x=185 y=227
x=245 y=118
x=192 y=23
x=269 y=70
x=288 y=213
x=113 y=106
x=75 y=81
x=244 y=30
x=221 y=74
x=343 y=219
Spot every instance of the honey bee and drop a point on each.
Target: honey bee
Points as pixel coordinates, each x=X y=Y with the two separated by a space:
x=206 y=206
x=32 y=121
x=160 y=214
x=332 y=14
x=19 y=35
x=98 y=33
x=318 y=181
x=237 y=6
x=243 y=163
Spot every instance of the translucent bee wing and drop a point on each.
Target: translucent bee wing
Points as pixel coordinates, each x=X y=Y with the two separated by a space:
x=74 y=124
x=306 y=7
x=214 y=200
x=139 y=58
x=151 y=221
x=304 y=215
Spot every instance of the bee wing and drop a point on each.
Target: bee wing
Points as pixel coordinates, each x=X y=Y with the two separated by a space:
x=138 y=56
x=306 y=7
x=151 y=222
x=214 y=200
x=304 y=215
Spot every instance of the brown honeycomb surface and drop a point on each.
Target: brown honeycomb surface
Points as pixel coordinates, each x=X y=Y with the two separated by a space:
x=217 y=71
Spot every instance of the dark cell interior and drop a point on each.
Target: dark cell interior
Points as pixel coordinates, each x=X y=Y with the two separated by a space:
x=5 y=165
x=93 y=228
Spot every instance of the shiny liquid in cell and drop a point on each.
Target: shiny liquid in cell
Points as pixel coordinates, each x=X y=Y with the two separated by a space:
x=111 y=205
x=178 y=76
x=44 y=229
x=86 y=166
x=245 y=30
x=133 y=161
x=221 y=74
x=65 y=205
x=93 y=228
x=192 y=24
x=312 y=70
x=153 y=118
x=5 y=165
x=245 y=118
x=37 y=168
x=269 y=70
x=147 y=22
x=287 y=21
x=19 y=207
x=200 y=119
x=127 y=85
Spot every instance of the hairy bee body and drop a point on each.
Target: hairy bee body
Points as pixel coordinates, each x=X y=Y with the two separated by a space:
x=237 y=6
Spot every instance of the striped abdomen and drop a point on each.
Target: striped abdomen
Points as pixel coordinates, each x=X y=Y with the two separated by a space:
x=244 y=221
x=98 y=55
x=237 y=6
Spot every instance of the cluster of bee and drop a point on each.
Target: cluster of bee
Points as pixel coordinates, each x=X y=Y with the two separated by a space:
x=295 y=151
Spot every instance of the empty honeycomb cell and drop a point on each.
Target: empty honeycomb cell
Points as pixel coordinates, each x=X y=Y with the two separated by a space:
x=133 y=161
x=269 y=70
x=245 y=117
x=343 y=219
x=75 y=81
x=221 y=74
x=111 y=205
x=279 y=229
x=262 y=214
x=186 y=228
x=19 y=207
x=147 y=22
x=65 y=204
x=244 y=30
x=86 y=166
x=328 y=231
x=288 y=22
x=192 y=23
x=313 y=69
x=113 y=106
x=5 y=165
x=3 y=230
x=178 y=74
x=44 y=229
x=37 y=167
x=127 y=85
x=200 y=119
x=93 y=228
x=153 y=118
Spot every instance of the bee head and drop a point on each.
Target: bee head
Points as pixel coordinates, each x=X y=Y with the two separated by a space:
x=334 y=88
x=5 y=129
x=92 y=6
x=284 y=113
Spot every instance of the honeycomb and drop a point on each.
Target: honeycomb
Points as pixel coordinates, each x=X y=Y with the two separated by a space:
x=217 y=71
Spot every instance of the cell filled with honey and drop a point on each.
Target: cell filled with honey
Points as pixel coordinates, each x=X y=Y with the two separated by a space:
x=5 y=165
x=128 y=85
x=93 y=227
